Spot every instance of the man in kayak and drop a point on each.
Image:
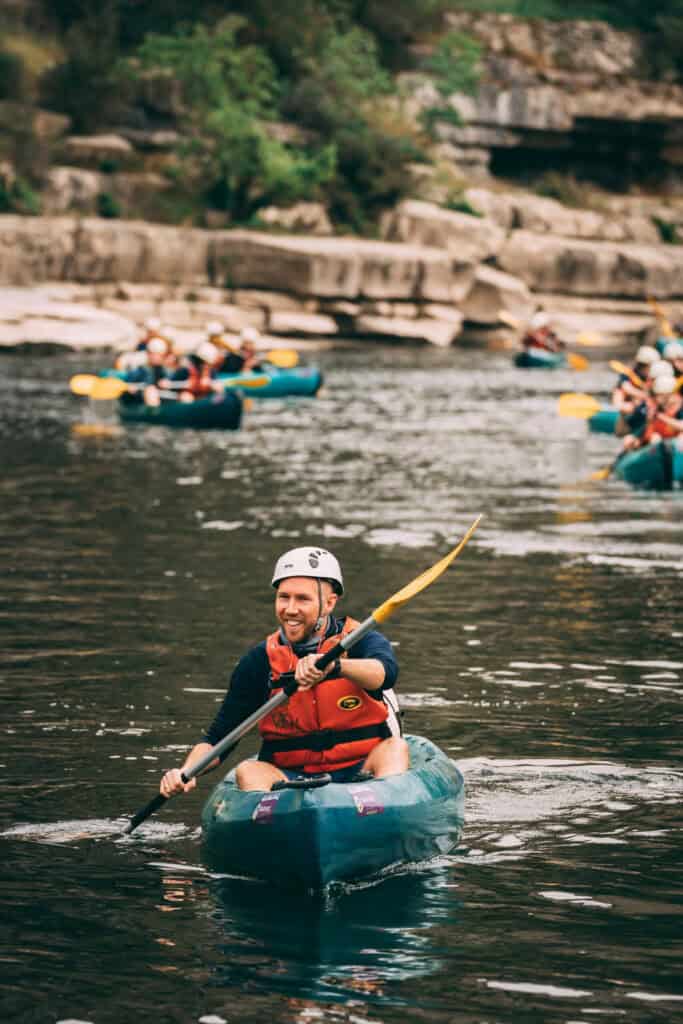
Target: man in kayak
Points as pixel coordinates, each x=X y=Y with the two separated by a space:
x=540 y=334
x=339 y=721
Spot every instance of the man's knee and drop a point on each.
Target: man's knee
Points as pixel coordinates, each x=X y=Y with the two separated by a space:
x=258 y=775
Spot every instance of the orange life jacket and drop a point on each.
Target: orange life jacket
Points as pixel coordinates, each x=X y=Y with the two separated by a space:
x=658 y=426
x=331 y=726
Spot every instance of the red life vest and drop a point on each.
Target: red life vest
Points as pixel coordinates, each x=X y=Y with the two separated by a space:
x=331 y=726
x=658 y=426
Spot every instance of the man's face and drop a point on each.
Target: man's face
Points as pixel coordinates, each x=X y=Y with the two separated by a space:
x=297 y=606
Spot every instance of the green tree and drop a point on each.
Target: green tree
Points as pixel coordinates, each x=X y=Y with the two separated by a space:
x=230 y=93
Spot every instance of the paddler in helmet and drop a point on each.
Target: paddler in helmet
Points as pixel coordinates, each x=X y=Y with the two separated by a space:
x=541 y=334
x=340 y=721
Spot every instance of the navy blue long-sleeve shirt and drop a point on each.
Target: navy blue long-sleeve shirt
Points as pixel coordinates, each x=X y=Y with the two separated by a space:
x=250 y=681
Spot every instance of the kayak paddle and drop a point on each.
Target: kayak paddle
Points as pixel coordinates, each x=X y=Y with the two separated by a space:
x=576 y=361
x=664 y=325
x=626 y=371
x=108 y=388
x=578 y=406
x=284 y=358
x=380 y=614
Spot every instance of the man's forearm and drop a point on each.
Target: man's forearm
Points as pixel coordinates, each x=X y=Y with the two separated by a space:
x=366 y=672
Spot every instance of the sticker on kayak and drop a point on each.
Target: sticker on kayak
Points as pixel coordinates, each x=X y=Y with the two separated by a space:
x=349 y=703
x=265 y=808
x=365 y=801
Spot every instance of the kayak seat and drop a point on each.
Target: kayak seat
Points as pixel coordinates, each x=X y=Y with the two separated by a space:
x=315 y=782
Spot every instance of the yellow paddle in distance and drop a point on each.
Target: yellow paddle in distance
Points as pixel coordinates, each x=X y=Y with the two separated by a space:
x=380 y=614
x=576 y=361
x=578 y=406
x=665 y=327
x=626 y=371
x=284 y=358
x=108 y=388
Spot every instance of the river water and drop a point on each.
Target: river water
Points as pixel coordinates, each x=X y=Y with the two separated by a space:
x=548 y=662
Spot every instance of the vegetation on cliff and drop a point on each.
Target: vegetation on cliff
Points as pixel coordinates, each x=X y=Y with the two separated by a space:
x=272 y=103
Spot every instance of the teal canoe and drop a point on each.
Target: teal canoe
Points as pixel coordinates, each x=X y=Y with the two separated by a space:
x=540 y=359
x=656 y=467
x=604 y=422
x=337 y=832
x=297 y=380
x=220 y=412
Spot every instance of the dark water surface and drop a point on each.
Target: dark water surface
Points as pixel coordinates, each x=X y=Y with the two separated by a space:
x=548 y=662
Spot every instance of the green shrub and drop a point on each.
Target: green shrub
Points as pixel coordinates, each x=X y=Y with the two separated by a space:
x=11 y=76
x=19 y=197
x=668 y=232
x=107 y=206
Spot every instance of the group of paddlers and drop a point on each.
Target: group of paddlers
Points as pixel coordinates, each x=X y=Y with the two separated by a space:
x=649 y=397
x=160 y=371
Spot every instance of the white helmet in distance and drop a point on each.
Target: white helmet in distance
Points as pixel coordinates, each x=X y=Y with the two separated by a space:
x=539 y=321
x=316 y=563
x=674 y=350
x=665 y=384
x=249 y=334
x=647 y=354
x=214 y=329
x=153 y=323
x=662 y=368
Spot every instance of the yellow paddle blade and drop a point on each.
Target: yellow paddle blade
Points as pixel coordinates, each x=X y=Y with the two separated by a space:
x=601 y=474
x=285 y=358
x=581 y=407
x=423 y=580
x=619 y=367
x=577 y=362
x=665 y=327
x=246 y=382
x=108 y=388
x=82 y=383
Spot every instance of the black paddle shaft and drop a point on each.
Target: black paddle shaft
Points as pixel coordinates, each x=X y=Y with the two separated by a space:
x=289 y=687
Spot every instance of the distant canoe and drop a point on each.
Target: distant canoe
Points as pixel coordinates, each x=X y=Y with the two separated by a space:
x=220 y=412
x=540 y=359
x=656 y=467
x=297 y=380
x=604 y=422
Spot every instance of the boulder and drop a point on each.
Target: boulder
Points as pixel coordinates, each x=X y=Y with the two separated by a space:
x=71 y=190
x=314 y=324
x=470 y=239
x=433 y=332
x=304 y=218
x=343 y=268
x=578 y=267
x=29 y=316
x=35 y=249
x=112 y=250
x=92 y=150
x=494 y=290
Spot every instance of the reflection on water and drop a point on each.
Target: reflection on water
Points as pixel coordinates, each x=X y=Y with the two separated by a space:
x=547 y=662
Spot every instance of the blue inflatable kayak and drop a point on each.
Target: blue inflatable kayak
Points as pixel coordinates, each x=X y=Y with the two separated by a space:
x=604 y=422
x=297 y=380
x=540 y=359
x=656 y=467
x=337 y=832
x=220 y=412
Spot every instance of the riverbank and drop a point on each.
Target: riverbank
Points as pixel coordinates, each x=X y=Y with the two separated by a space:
x=437 y=277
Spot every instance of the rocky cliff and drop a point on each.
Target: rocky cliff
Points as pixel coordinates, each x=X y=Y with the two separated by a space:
x=554 y=98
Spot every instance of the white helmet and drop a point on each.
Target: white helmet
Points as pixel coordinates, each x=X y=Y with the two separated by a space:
x=661 y=368
x=207 y=352
x=316 y=563
x=158 y=346
x=664 y=384
x=674 y=350
x=539 y=320
x=153 y=323
x=647 y=354
x=249 y=334
x=213 y=329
